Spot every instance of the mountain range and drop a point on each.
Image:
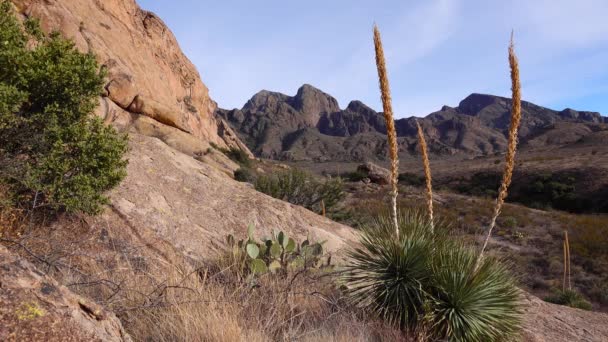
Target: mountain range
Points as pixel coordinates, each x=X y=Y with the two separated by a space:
x=311 y=126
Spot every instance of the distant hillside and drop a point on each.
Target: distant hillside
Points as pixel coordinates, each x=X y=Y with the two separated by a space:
x=311 y=126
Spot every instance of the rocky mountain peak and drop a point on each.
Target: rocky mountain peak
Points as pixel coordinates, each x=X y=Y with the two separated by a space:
x=359 y=107
x=313 y=103
x=263 y=100
x=570 y=113
x=307 y=124
x=474 y=103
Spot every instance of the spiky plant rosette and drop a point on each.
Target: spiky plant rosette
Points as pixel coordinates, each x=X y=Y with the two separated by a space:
x=388 y=275
x=469 y=304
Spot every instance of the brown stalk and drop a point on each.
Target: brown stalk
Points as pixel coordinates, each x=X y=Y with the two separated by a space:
x=427 y=174
x=390 y=123
x=567 y=244
x=512 y=146
x=565 y=267
x=323 y=208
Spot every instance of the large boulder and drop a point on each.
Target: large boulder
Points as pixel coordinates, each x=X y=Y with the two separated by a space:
x=193 y=205
x=546 y=322
x=375 y=173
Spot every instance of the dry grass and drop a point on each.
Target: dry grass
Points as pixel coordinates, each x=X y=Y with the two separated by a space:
x=391 y=132
x=159 y=296
x=512 y=143
x=218 y=304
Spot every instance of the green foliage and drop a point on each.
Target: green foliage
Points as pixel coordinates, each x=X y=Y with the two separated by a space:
x=483 y=184
x=355 y=176
x=425 y=281
x=53 y=153
x=469 y=305
x=245 y=174
x=411 y=179
x=569 y=298
x=301 y=188
x=387 y=275
x=235 y=154
x=509 y=222
x=277 y=253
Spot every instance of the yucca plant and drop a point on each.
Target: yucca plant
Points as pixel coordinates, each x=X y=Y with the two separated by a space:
x=415 y=277
x=469 y=304
x=389 y=275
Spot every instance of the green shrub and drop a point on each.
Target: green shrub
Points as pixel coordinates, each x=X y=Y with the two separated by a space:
x=239 y=156
x=301 y=188
x=411 y=179
x=423 y=281
x=509 y=222
x=235 y=154
x=245 y=174
x=53 y=152
x=355 y=176
x=388 y=276
x=469 y=305
x=569 y=298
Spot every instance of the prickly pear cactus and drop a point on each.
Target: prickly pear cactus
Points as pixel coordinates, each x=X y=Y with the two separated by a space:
x=279 y=253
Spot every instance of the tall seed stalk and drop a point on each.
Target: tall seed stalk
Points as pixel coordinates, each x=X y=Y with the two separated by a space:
x=427 y=174
x=512 y=146
x=390 y=123
x=566 y=263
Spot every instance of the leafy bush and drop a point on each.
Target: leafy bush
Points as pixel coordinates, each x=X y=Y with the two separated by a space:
x=235 y=154
x=53 y=153
x=484 y=184
x=279 y=252
x=301 y=188
x=354 y=176
x=509 y=222
x=411 y=179
x=422 y=281
x=245 y=174
x=569 y=298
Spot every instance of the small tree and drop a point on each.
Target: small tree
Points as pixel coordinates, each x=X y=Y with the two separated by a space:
x=53 y=152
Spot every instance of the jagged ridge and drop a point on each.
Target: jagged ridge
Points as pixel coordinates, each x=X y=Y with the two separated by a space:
x=311 y=126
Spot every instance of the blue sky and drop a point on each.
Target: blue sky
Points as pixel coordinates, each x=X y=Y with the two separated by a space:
x=438 y=51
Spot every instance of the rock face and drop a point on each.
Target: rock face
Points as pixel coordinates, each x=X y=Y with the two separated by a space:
x=278 y=126
x=545 y=322
x=34 y=307
x=148 y=74
x=192 y=205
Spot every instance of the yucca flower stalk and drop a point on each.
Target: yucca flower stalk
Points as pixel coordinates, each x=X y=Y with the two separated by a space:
x=427 y=174
x=512 y=145
x=390 y=123
x=566 y=263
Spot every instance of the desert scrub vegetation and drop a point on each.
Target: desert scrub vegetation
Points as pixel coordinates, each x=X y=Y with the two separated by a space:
x=569 y=298
x=235 y=154
x=409 y=272
x=53 y=153
x=277 y=253
x=301 y=188
x=427 y=283
x=228 y=299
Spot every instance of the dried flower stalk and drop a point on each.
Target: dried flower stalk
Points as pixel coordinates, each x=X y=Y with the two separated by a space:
x=427 y=174
x=390 y=123
x=512 y=146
